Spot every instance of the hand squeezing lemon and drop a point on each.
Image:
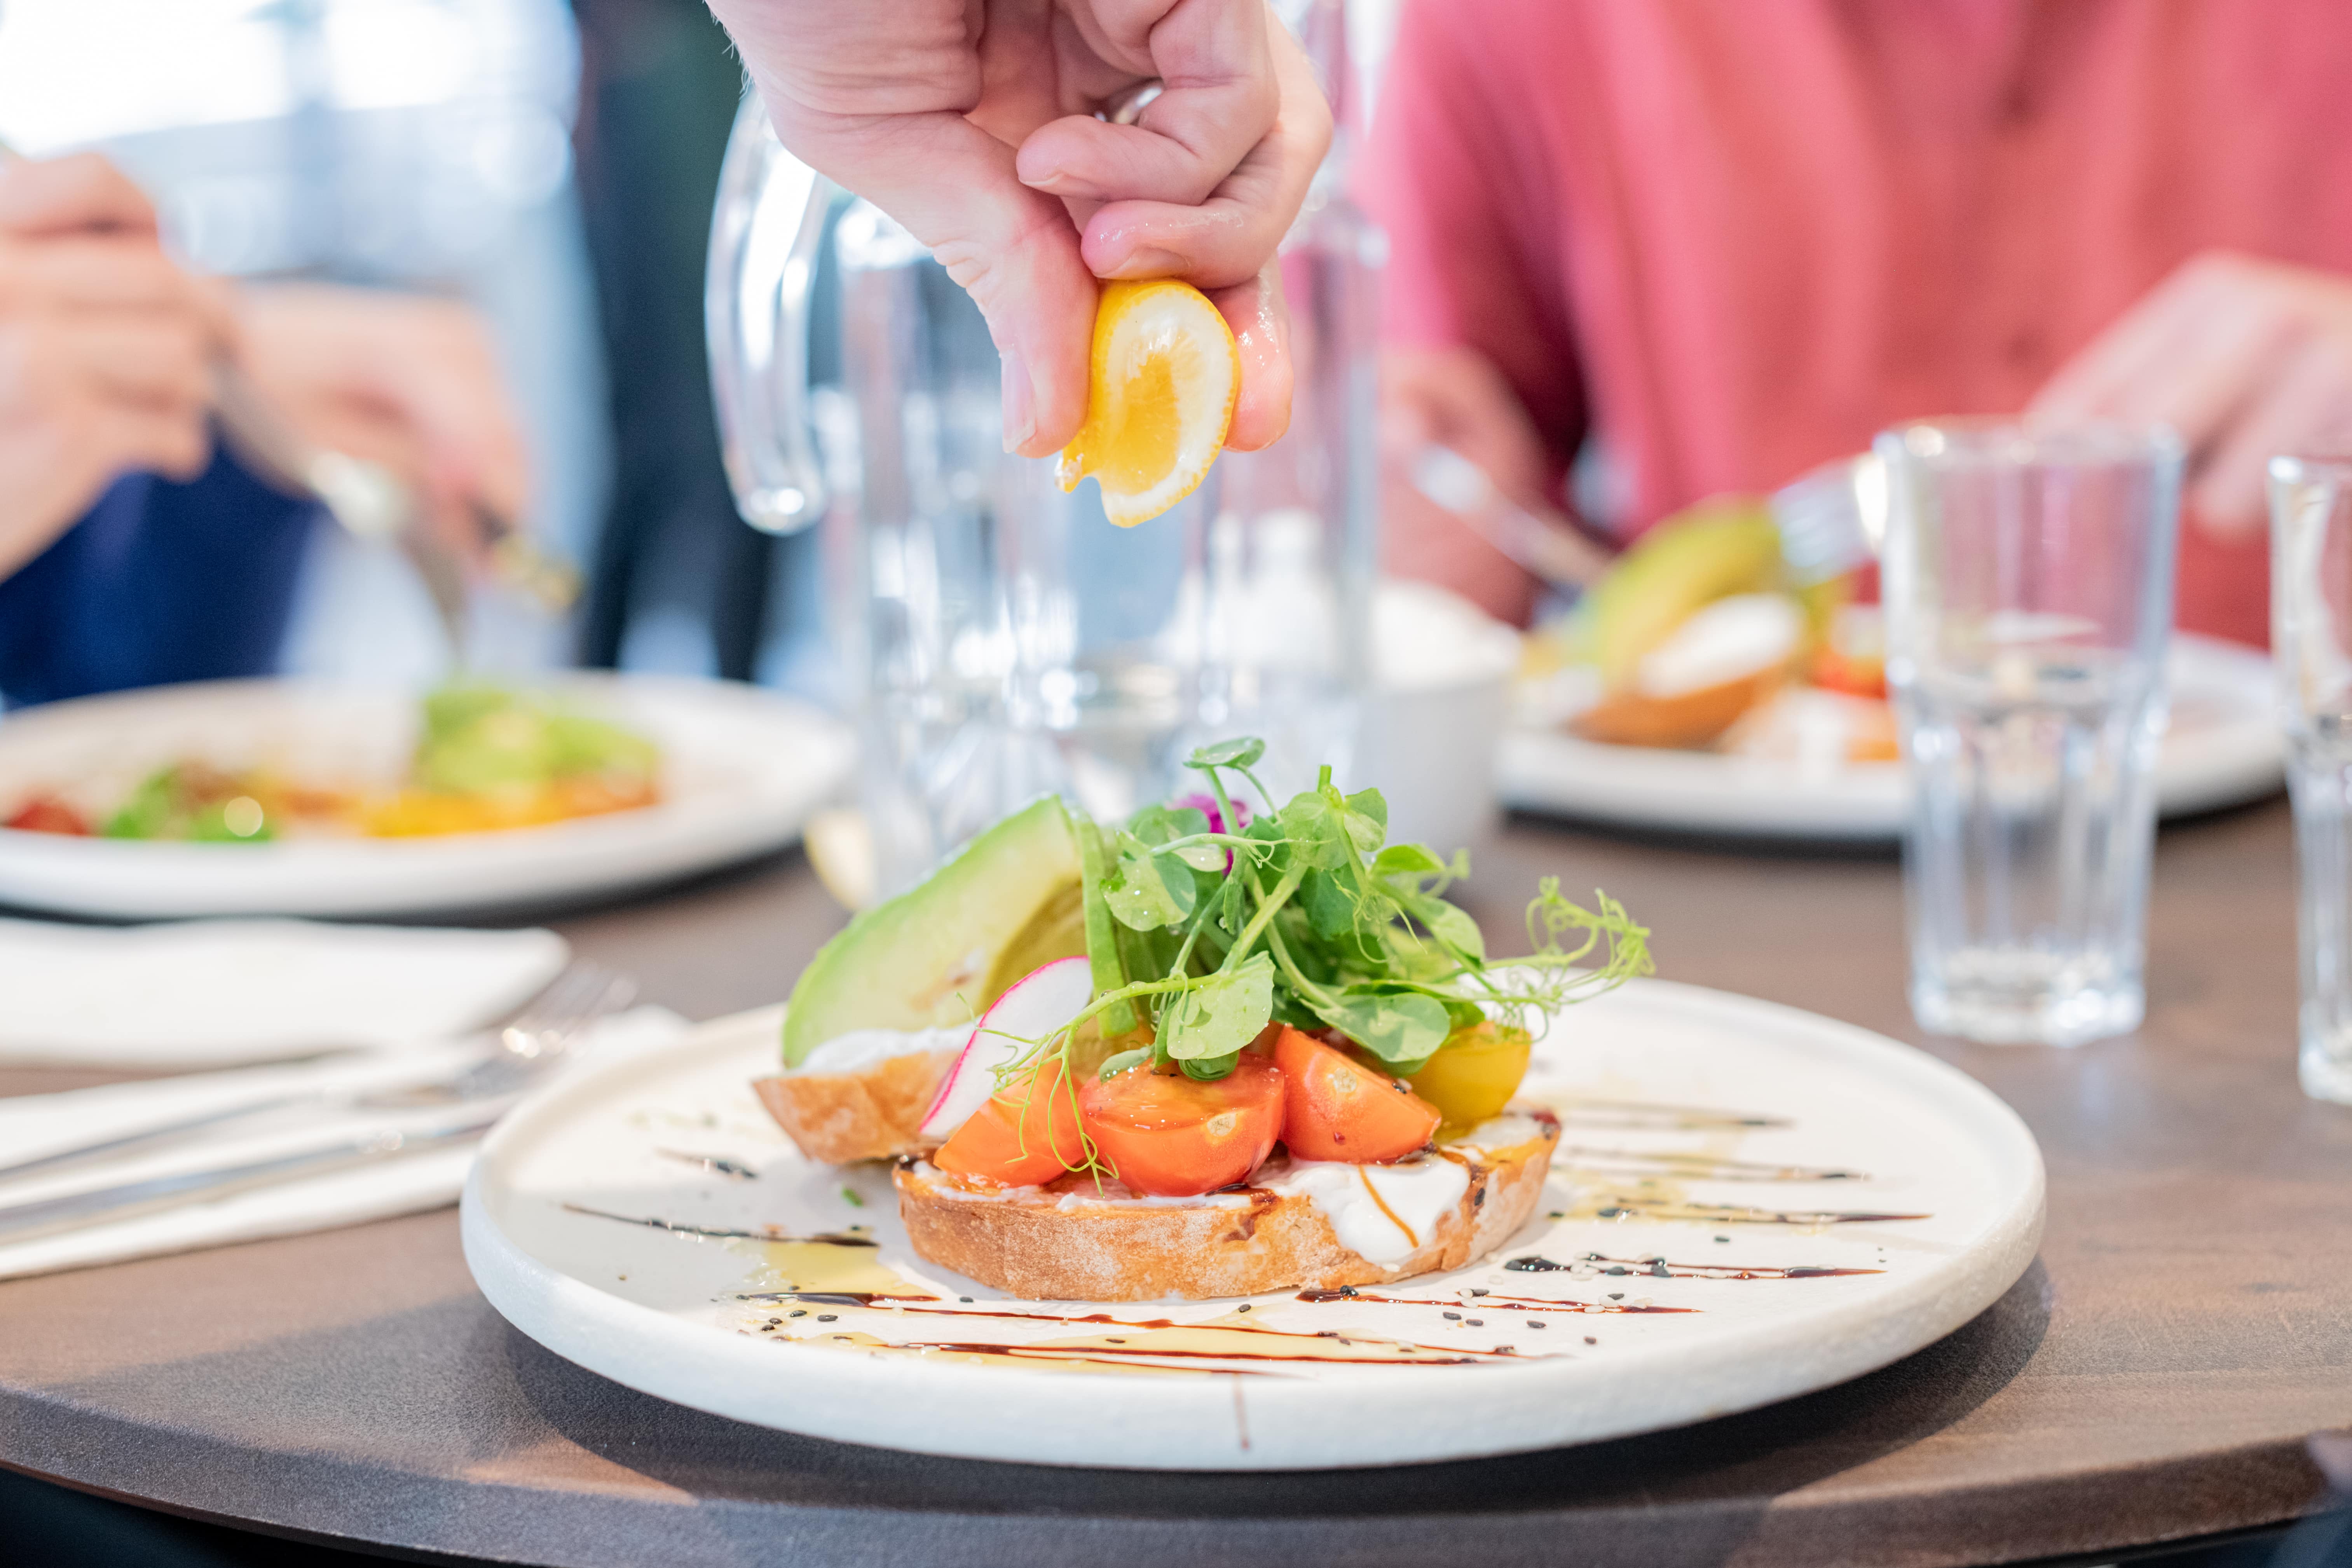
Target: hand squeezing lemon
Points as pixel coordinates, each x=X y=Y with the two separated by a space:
x=1161 y=388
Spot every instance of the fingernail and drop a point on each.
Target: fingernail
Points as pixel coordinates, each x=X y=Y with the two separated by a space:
x=1020 y=405
x=1148 y=262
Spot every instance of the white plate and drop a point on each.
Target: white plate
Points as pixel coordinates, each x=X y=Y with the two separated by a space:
x=658 y=1309
x=741 y=768
x=2222 y=750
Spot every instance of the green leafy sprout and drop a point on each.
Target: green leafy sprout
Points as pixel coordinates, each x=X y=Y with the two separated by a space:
x=1309 y=918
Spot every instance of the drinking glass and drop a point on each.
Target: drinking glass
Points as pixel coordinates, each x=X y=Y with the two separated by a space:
x=2028 y=587
x=2311 y=642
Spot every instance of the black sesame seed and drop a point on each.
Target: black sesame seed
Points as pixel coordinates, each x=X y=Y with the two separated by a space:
x=965 y=1300
x=1474 y=1290
x=797 y=1312
x=1616 y=1271
x=1557 y=1213
x=1590 y=1341
x=1112 y=1341
x=827 y=1318
x=1535 y=1322
x=1723 y=1238
x=1476 y=1323
x=1616 y=1295
x=1243 y=1308
x=1454 y=1317
x=1658 y=1269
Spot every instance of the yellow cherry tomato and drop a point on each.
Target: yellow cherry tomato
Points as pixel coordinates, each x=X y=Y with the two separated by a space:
x=1474 y=1074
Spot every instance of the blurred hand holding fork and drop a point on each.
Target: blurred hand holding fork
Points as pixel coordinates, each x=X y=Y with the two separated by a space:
x=387 y=407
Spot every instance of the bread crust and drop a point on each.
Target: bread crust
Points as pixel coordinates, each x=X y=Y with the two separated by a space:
x=874 y=1114
x=1031 y=1242
x=1687 y=719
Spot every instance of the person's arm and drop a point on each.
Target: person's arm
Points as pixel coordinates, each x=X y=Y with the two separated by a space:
x=1472 y=362
x=2246 y=358
x=105 y=347
x=971 y=121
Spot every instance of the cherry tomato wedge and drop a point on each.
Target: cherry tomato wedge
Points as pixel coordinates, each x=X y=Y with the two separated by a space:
x=1856 y=674
x=1170 y=1136
x=1474 y=1073
x=1335 y=1108
x=1023 y=1135
x=46 y=813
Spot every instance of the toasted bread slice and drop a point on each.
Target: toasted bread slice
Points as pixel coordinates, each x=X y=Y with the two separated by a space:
x=1074 y=1241
x=1686 y=719
x=873 y=1113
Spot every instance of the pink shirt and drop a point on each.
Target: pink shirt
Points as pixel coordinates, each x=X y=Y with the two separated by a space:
x=1735 y=237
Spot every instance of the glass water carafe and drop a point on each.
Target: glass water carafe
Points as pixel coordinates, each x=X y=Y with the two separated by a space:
x=995 y=638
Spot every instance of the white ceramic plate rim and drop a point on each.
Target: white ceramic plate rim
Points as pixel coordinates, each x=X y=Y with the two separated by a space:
x=2237 y=760
x=1190 y=1424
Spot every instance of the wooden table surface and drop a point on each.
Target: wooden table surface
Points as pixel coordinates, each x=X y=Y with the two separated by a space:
x=2152 y=1377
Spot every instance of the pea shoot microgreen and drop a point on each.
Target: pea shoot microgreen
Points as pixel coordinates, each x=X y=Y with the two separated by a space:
x=1201 y=935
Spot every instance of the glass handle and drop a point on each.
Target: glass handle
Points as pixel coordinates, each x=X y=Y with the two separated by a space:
x=764 y=231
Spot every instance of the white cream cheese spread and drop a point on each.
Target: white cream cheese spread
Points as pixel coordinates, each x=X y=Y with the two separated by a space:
x=1386 y=1213
x=861 y=1048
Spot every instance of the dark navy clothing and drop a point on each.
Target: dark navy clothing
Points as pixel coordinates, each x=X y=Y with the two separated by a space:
x=159 y=582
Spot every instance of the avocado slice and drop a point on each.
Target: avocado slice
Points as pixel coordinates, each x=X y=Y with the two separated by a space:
x=1711 y=551
x=939 y=953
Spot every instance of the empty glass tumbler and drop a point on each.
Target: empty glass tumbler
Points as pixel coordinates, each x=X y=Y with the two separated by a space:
x=2028 y=587
x=2311 y=641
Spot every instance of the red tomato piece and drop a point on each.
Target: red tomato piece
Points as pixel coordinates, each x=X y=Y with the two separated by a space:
x=1025 y=1135
x=1335 y=1108
x=48 y=813
x=1857 y=675
x=1171 y=1136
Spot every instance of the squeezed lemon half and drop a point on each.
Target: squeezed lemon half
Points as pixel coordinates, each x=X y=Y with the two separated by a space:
x=1160 y=387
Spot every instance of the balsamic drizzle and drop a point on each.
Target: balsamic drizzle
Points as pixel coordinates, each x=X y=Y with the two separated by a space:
x=1659 y=1268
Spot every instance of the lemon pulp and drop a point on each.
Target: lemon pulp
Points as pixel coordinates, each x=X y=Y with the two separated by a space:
x=1162 y=379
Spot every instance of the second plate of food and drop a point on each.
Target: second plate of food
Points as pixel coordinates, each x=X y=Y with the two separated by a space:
x=316 y=799
x=2222 y=749
x=1748 y=1203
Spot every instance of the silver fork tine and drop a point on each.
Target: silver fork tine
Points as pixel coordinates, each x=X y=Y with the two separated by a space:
x=583 y=991
x=1832 y=518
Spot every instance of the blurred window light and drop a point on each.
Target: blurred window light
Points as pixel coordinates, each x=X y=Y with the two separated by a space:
x=385 y=139
x=390 y=54
x=147 y=66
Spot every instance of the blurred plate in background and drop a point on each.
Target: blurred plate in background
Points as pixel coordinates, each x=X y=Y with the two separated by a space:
x=741 y=770
x=2222 y=750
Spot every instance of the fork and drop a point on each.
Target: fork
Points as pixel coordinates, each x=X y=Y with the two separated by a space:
x=538 y=1036
x=1833 y=518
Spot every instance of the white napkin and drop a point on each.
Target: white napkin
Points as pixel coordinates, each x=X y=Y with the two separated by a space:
x=205 y=992
x=396 y=1184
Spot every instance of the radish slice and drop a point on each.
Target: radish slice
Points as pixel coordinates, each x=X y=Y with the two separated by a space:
x=1038 y=1003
